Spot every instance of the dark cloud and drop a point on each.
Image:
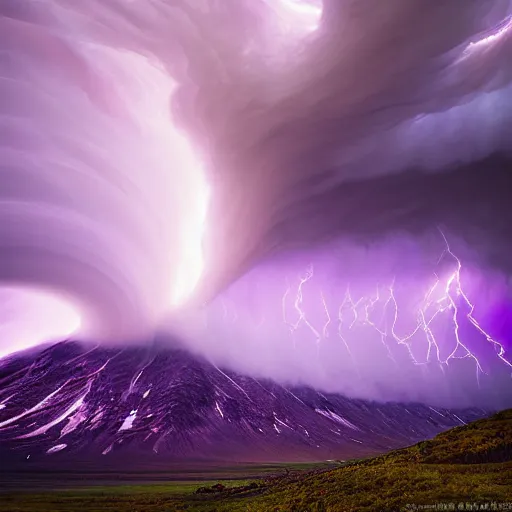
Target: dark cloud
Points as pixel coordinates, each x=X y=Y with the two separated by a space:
x=278 y=138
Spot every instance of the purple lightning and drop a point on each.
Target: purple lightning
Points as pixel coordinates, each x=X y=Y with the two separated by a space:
x=455 y=281
x=452 y=302
x=298 y=306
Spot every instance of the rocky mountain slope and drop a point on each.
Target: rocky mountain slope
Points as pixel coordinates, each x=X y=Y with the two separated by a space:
x=71 y=402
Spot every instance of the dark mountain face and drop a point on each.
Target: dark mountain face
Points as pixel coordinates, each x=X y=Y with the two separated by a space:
x=139 y=406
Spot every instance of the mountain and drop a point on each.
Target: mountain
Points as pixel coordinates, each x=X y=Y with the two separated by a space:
x=70 y=402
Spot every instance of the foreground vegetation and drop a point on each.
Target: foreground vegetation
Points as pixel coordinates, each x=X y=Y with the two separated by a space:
x=470 y=464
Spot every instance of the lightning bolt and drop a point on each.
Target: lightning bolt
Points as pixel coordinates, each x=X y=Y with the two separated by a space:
x=453 y=299
x=298 y=307
x=325 y=331
x=299 y=299
x=455 y=282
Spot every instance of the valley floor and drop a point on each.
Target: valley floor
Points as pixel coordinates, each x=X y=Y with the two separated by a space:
x=366 y=487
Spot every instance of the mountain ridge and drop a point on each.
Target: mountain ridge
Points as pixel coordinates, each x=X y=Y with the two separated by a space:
x=72 y=402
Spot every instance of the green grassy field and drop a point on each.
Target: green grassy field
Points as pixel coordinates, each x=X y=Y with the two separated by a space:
x=470 y=464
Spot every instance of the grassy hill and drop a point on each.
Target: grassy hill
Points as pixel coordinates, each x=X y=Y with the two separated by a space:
x=480 y=442
x=470 y=464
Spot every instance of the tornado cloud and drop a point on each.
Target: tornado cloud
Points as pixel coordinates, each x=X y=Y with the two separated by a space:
x=312 y=191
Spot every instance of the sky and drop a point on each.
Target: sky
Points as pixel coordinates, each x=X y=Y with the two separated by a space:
x=237 y=173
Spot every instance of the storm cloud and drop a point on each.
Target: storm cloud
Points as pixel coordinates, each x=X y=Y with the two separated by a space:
x=197 y=152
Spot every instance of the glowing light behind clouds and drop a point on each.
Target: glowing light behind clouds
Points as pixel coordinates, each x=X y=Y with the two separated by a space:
x=191 y=260
x=29 y=317
x=174 y=148
x=299 y=15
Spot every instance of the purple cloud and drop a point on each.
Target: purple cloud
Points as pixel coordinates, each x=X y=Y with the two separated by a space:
x=162 y=153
